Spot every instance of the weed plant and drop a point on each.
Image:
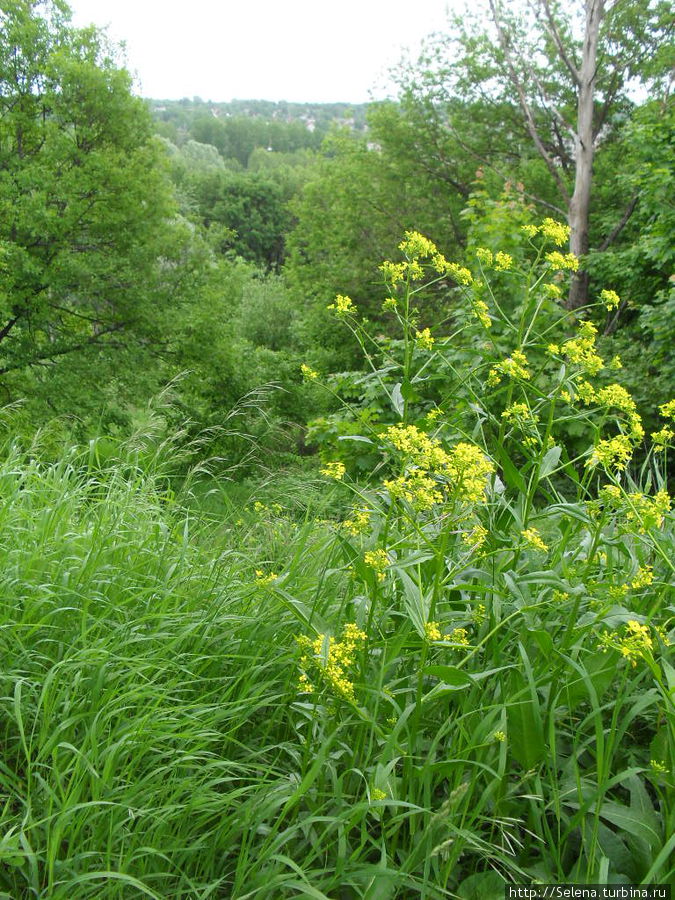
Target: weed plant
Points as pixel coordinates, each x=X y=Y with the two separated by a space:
x=460 y=681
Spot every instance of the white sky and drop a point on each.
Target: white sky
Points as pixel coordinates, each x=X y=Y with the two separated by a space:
x=295 y=50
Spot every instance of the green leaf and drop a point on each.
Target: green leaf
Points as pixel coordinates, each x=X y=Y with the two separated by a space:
x=549 y=462
x=397 y=399
x=450 y=675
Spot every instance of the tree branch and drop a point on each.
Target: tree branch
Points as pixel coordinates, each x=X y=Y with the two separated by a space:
x=63 y=351
x=622 y=224
x=525 y=107
x=557 y=40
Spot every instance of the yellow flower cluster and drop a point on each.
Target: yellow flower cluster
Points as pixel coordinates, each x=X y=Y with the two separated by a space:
x=554 y=291
x=610 y=299
x=376 y=795
x=503 y=261
x=265 y=580
x=581 y=349
x=556 y=232
x=423 y=339
x=330 y=660
x=667 y=410
x=420 y=449
x=358 y=523
x=393 y=272
x=643 y=578
x=519 y=413
x=459 y=636
x=647 y=512
x=334 y=470
x=390 y=304
x=563 y=261
x=417 y=488
x=484 y=256
x=662 y=438
x=481 y=311
x=534 y=539
x=515 y=366
x=499 y=736
x=459 y=273
x=641 y=511
x=476 y=537
x=612 y=454
x=465 y=467
x=343 y=306
x=529 y=230
x=615 y=396
x=469 y=470
x=615 y=362
x=309 y=373
x=377 y=560
x=415 y=245
x=633 y=643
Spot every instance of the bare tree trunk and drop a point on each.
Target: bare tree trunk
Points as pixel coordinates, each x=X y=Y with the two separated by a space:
x=583 y=152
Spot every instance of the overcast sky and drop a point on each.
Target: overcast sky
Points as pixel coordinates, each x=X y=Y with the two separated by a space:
x=296 y=50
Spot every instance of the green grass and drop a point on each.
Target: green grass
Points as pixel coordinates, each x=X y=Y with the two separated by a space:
x=155 y=743
x=183 y=713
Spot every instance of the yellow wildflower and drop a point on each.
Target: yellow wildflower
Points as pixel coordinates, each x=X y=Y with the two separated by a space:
x=662 y=438
x=265 y=580
x=610 y=299
x=633 y=644
x=358 y=523
x=556 y=232
x=343 y=306
x=515 y=366
x=615 y=395
x=647 y=512
x=417 y=488
x=554 y=291
x=560 y=261
x=330 y=659
x=553 y=349
x=432 y=631
x=643 y=578
x=377 y=560
x=581 y=349
x=309 y=373
x=612 y=454
x=503 y=261
x=469 y=470
x=334 y=470
x=480 y=310
x=479 y=614
x=529 y=230
x=520 y=413
x=390 y=303
x=424 y=339
x=499 y=736
x=460 y=274
x=416 y=245
x=393 y=272
x=667 y=410
x=459 y=636
x=615 y=362
x=376 y=795
x=484 y=256
x=476 y=537
x=534 y=539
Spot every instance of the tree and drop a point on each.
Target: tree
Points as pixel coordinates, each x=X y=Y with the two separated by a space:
x=560 y=77
x=88 y=248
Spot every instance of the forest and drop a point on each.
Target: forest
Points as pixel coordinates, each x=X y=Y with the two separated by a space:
x=336 y=541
